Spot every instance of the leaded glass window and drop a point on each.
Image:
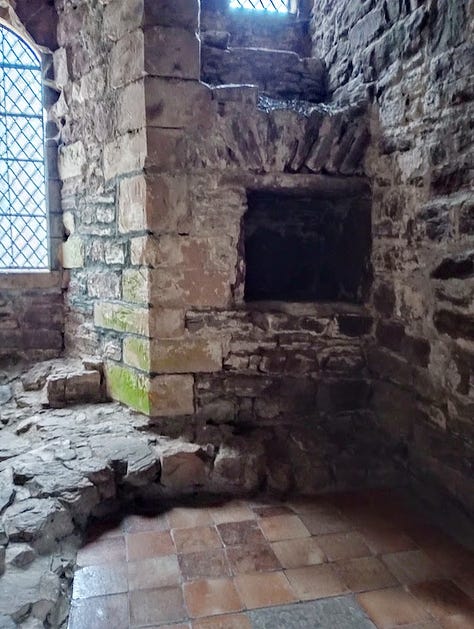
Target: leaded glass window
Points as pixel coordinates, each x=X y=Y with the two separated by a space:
x=23 y=214
x=278 y=6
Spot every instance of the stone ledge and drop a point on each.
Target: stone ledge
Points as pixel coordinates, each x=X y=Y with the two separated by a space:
x=30 y=280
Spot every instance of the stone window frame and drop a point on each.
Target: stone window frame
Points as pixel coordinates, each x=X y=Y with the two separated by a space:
x=25 y=277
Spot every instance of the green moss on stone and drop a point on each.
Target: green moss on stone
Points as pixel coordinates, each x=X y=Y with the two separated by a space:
x=136 y=352
x=129 y=387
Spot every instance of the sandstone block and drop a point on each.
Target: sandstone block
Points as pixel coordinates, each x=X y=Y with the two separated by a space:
x=121 y=318
x=183 y=466
x=61 y=73
x=174 y=104
x=132 y=206
x=136 y=285
x=104 y=285
x=56 y=390
x=180 y=288
x=73 y=253
x=125 y=154
x=131 y=107
x=172 y=395
x=72 y=160
x=122 y=17
x=129 y=387
x=83 y=386
x=179 y=13
x=173 y=356
x=166 y=323
x=172 y=52
x=127 y=62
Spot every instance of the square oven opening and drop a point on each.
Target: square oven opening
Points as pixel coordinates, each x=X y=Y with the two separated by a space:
x=304 y=248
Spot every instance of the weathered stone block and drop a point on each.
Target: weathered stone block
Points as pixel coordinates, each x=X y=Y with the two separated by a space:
x=122 y=17
x=131 y=107
x=127 y=62
x=173 y=356
x=72 y=160
x=132 y=206
x=166 y=323
x=179 y=13
x=84 y=386
x=172 y=395
x=121 y=318
x=171 y=103
x=136 y=285
x=129 y=387
x=183 y=467
x=125 y=154
x=172 y=52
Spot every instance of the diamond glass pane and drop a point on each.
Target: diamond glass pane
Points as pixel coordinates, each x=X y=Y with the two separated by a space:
x=23 y=217
x=279 y=6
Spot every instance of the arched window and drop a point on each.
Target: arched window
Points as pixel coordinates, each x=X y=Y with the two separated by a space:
x=278 y=6
x=23 y=212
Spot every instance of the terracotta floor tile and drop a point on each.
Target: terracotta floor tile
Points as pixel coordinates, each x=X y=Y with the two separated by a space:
x=281 y=527
x=148 y=607
x=443 y=598
x=426 y=535
x=382 y=541
x=196 y=539
x=392 y=607
x=252 y=558
x=150 y=544
x=365 y=573
x=310 y=505
x=102 y=612
x=340 y=546
x=234 y=511
x=204 y=565
x=210 y=597
x=325 y=522
x=270 y=511
x=186 y=625
x=427 y=624
x=142 y=523
x=314 y=582
x=412 y=566
x=238 y=533
x=232 y=621
x=458 y=621
x=156 y=572
x=186 y=518
x=296 y=553
x=264 y=590
x=104 y=550
x=454 y=559
x=110 y=578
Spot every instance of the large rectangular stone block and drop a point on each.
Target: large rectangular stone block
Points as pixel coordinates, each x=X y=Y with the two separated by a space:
x=129 y=387
x=132 y=205
x=125 y=154
x=127 y=59
x=136 y=285
x=121 y=318
x=172 y=395
x=174 y=104
x=72 y=160
x=173 y=355
x=172 y=52
x=131 y=107
x=180 y=13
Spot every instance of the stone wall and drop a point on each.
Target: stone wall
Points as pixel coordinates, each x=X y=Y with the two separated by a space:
x=413 y=61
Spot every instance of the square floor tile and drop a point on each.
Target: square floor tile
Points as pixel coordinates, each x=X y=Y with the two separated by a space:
x=229 y=621
x=392 y=607
x=333 y=613
x=443 y=598
x=233 y=511
x=149 y=544
x=314 y=582
x=196 y=539
x=264 y=590
x=340 y=546
x=103 y=550
x=148 y=607
x=252 y=558
x=110 y=578
x=156 y=572
x=365 y=573
x=412 y=566
x=271 y=510
x=142 y=523
x=102 y=612
x=281 y=527
x=453 y=559
x=238 y=533
x=187 y=518
x=296 y=553
x=210 y=597
x=209 y=564
x=311 y=505
x=325 y=522
x=382 y=541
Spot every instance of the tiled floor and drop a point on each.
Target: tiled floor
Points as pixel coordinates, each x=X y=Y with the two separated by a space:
x=337 y=562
